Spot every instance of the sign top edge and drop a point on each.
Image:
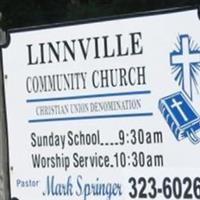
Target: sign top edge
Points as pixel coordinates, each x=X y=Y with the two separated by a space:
x=106 y=18
x=98 y=19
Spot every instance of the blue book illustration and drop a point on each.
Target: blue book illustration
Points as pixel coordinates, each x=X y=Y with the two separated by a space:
x=181 y=117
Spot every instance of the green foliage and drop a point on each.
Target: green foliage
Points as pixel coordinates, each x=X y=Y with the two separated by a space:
x=21 y=13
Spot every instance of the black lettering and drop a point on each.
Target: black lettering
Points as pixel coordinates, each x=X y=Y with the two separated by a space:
x=95 y=81
x=141 y=75
x=55 y=52
x=33 y=143
x=70 y=138
x=135 y=41
x=69 y=49
x=96 y=45
x=42 y=53
x=106 y=54
x=119 y=45
x=84 y=49
x=30 y=59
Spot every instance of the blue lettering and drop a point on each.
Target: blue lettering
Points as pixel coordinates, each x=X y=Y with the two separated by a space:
x=97 y=188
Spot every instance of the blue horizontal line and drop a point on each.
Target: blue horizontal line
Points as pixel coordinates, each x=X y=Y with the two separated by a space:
x=89 y=96
x=91 y=117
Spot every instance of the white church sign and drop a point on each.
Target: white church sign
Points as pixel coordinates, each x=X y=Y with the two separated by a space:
x=105 y=110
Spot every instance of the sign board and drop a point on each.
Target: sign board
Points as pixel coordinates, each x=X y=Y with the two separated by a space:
x=105 y=110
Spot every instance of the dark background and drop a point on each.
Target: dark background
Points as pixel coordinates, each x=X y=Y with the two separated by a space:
x=21 y=13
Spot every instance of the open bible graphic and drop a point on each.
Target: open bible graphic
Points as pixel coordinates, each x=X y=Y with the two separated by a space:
x=181 y=117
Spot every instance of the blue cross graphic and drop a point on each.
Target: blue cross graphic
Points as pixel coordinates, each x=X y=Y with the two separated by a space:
x=185 y=59
x=177 y=105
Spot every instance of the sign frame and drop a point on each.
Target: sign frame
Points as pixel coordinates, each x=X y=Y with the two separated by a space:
x=73 y=23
